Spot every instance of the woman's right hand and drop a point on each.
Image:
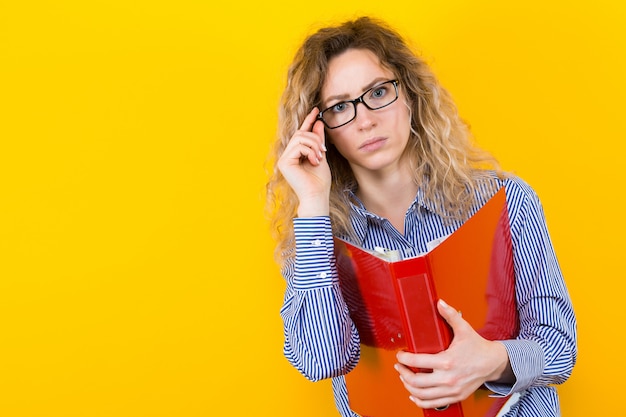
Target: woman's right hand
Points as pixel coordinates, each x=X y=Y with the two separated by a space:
x=304 y=166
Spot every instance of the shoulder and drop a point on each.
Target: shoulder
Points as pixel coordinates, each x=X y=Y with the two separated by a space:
x=523 y=203
x=518 y=191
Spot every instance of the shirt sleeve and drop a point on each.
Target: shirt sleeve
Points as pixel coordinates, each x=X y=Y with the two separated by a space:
x=545 y=351
x=321 y=341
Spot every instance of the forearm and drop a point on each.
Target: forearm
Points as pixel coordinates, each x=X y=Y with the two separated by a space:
x=544 y=353
x=536 y=361
x=320 y=339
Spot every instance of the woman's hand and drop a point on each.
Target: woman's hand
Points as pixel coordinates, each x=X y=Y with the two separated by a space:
x=304 y=166
x=458 y=371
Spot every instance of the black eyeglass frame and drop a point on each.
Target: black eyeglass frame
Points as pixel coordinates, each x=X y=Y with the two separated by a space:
x=358 y=100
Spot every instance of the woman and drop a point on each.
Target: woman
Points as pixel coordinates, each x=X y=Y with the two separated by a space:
x=371 y=149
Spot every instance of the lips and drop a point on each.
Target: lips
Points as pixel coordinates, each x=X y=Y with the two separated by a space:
x=373 y=143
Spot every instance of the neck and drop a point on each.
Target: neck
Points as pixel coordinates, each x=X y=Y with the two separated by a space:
x=387 y=194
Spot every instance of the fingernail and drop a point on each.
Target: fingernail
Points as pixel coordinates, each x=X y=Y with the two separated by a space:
x=319 y=154
x=324 y=147
x=443 y=303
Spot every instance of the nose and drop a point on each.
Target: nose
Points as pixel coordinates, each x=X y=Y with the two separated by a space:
x=364 y=116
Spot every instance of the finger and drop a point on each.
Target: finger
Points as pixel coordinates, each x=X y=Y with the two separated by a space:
x=440 y=403
x=318 y=129
x=406 y=374
x=422 y=379
x=451 y=315
x=426 y=390
x=412 y=379
x=418 y=361
x=310 y=154
x=309 y=120
x=307 y=146
x=308 y=139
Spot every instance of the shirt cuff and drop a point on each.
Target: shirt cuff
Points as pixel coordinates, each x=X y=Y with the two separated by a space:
x=315 y=260
x=527 y=362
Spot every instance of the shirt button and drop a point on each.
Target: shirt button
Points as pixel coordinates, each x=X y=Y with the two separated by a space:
x=317 y=242
x=323 y=275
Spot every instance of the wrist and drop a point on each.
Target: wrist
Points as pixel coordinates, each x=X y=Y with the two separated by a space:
x=503 y=372
x=314 y=207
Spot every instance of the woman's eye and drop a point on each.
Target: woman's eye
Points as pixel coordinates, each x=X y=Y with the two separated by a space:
x=379 y=92
x=339 y=107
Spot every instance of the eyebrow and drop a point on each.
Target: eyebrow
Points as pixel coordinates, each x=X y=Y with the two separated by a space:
x=343 y=97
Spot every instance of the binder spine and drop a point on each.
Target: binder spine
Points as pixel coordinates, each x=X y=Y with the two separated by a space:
x=424 y=336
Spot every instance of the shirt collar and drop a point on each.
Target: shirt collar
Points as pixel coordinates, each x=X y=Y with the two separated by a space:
x=361 y=218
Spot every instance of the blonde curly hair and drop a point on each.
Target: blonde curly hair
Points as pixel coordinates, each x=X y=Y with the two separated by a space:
x=444 y=161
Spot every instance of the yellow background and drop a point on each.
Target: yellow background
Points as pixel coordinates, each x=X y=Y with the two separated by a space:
x=136 y=271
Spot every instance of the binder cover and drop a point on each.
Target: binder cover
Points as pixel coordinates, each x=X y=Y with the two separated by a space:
x=393 y=305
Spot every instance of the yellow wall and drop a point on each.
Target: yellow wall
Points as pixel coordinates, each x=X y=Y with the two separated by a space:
x=136 y=271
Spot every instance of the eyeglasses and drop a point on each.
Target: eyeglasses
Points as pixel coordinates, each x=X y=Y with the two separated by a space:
x=375 y=98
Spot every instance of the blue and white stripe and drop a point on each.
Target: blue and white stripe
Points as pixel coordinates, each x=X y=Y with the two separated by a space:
x=322 y=342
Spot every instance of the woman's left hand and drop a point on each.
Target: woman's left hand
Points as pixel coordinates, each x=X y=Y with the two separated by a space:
x=457 y=372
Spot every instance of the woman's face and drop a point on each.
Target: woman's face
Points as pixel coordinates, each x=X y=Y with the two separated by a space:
x=375 y=140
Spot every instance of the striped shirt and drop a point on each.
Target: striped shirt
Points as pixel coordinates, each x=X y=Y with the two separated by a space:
x=322 y=342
